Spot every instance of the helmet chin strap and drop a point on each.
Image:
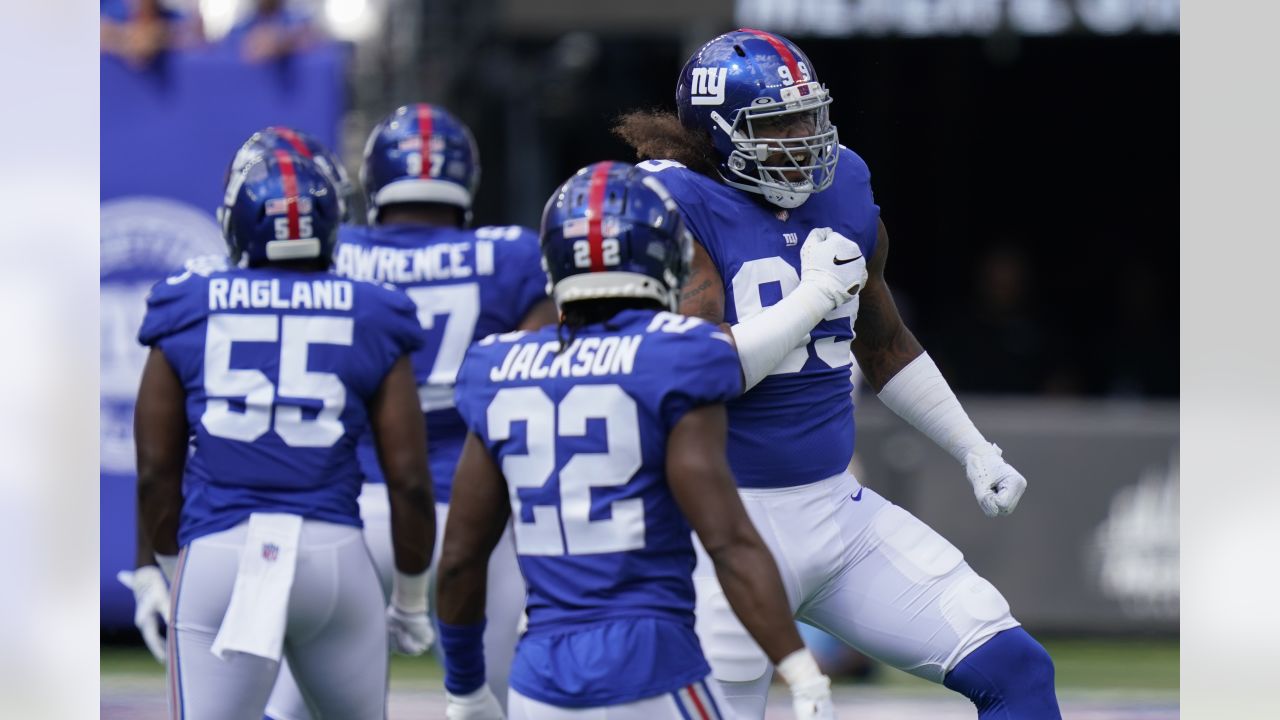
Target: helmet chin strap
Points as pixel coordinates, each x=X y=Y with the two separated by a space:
x=788 y=200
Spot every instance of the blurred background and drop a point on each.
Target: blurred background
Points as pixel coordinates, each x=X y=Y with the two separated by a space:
x=1023 y=152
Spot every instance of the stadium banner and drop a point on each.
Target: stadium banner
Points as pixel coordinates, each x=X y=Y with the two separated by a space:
x=942 y=18
x=168 y=136
x=1093 y=545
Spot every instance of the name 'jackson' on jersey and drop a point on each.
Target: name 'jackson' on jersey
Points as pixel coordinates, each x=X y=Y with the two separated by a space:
x=581 y=437
x=796 y=426
x=466 y=284
x=278 y=367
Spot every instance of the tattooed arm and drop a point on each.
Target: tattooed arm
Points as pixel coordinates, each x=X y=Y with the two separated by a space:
x=883 y=345
x=703 y=293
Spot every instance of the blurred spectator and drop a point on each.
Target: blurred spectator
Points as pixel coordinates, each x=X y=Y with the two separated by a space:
x=140 y=30
x=997 y=344
x=272 y=31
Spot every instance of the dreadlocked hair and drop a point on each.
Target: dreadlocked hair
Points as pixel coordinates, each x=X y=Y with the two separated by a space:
x=578 y=314
x=659 y=135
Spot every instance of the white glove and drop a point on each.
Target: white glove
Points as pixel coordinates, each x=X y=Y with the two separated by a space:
x=151 y=605
x=478 y=705
x=996 y=484
x=810 y=688
x=834 y=263
x=410 y=632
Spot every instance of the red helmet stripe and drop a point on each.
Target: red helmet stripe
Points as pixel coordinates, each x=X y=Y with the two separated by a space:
x=424 y=132
x=292 y=138
x=595 y=212
x=783 y=51
x=289 y=178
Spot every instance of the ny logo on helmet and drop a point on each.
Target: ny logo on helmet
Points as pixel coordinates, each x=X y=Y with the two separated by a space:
x=708 y=86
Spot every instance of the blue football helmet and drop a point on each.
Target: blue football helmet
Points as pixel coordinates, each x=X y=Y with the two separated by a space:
x=283 y=207
x=759 y=98
x=279 y=137
x=613 y=231
x=420 y=154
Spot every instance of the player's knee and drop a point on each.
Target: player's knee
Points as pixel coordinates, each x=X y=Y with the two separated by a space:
x=1010 y=676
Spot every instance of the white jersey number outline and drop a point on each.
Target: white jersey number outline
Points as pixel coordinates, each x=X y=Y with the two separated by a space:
x=747 y=302
x=624 y=529
x=296 y=333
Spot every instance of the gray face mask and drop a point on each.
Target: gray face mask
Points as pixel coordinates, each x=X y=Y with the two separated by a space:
x=783 y=151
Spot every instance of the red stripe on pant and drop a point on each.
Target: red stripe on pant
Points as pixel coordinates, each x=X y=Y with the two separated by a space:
x=697 y=702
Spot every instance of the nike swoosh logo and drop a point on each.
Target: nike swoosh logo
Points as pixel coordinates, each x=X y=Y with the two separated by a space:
x=838 y=261
x=857 y=497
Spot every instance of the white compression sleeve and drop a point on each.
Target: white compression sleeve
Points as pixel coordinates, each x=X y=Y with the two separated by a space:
x=764 y=339
x=920 y=395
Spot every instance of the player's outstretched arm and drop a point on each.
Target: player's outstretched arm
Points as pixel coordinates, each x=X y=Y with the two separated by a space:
x=478 y=513
x=910 y=384
x=398 y=431
x=699 y=476
x=160 y=433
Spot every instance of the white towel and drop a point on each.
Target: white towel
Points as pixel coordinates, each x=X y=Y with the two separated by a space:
x=259 y=608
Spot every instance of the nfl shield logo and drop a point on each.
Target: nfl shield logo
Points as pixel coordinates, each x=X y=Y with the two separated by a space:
x=270 y=551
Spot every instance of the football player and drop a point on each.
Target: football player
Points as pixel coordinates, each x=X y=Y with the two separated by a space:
x=420 y=174
x=150 y=591
x=259 y=382
x=603 y=440
x=755 y=165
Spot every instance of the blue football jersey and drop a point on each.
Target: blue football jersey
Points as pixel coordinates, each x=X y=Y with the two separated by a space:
x=581 y=436
x=466 y=284
x=278 y=368
x=796 y=426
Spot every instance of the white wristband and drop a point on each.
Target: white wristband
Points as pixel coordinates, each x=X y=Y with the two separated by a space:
x=764 y=339
x=409 y=592
x=920 y=395
x=800 y=670
x=168 y=565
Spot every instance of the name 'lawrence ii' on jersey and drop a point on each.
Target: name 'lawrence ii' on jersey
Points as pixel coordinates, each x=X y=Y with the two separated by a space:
x=796 y=426
x=278 y=367
x=466 y=284
x=581 y=437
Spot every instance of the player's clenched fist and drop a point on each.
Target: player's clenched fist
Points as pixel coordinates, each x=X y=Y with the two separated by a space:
x=477 y=705
x=810 y=688
x=410 y=632
x=996 y=484
x=834 y=263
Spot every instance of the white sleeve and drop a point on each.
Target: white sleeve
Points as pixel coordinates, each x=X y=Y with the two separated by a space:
x=920 y=395
x=765 y=338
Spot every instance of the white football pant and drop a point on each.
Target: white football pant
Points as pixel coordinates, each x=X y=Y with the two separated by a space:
x=505 y=602
x=335 y=636
x=862 y=569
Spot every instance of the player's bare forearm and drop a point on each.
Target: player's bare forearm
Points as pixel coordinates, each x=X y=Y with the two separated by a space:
x=699 y=476
x=160 y=435
x=478 y=514
x=399 y=432
x=883 y=345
